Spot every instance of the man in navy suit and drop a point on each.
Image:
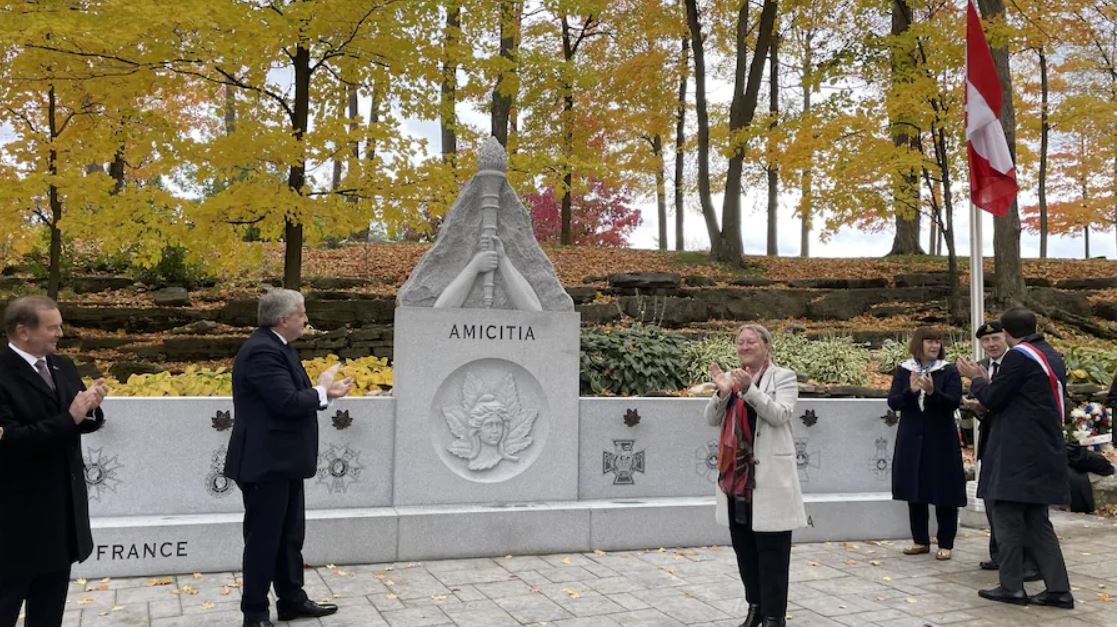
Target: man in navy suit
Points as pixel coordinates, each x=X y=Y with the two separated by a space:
x=1024 y=465
x=272 y=449
x=44 y=508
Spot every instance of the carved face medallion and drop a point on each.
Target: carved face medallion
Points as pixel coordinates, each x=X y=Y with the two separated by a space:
x=486 y=414
x=492 y=430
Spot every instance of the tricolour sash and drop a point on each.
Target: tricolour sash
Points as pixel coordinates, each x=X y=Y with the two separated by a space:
x=1031 y=352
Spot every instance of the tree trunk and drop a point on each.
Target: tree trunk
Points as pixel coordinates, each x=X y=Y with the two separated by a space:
x=1044 y=130
x=506 y=83
x=680 y=145
x=54 y=274
x=569 y=50
x=773 y=170
x=230 y=110
x=354 y=146
x=339 y=156
x=1008 y=285
x=373 y=120
x=746 y=91
x=905 y=199
x=806 y=200
x=1086 y=240
x=660 y=190
x=448 y=118
x=116 y=170
x=296 y=179
x=956 y=298
x=697 y=47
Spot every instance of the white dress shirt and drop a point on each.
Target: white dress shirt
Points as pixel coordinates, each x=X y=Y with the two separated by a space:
x=323 y=398
x=28 y=357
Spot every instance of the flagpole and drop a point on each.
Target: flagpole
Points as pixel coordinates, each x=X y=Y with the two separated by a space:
x=977 y=318
x=977 y=280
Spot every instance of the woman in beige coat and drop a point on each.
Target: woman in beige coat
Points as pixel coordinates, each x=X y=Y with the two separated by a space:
x=758 y=492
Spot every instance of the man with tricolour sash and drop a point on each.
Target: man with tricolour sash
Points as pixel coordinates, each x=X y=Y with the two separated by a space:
x=1024 y=467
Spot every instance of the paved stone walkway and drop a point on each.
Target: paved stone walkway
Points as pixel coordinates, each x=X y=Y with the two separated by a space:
x=860 y=583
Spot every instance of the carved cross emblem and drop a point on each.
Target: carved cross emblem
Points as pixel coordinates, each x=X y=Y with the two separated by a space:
x=217 y=484
x=880 y=464
x=624 y=462
x=806 y=459
x=338 y=468
x=100 y=472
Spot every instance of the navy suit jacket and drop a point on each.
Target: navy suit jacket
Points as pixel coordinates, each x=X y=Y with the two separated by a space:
x=44 y=508
x=275 y=412
x=1024 y=459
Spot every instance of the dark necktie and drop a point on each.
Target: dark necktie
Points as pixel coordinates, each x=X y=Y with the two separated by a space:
x=996 y=366
x=41 y=368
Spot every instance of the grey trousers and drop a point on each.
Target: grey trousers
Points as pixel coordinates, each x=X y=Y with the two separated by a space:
x=1020 y=525
x=1029 y=561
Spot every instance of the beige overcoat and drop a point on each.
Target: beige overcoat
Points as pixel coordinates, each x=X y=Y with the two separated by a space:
x=777 y=500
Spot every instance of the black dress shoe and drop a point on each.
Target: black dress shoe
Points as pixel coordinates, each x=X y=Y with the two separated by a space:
x=774 y=622
x=989 y=565
x=307 y=609
x=1033 y=576
x=1004 y=596
x=1062 y=600
x=258 y=623
x=753 y=618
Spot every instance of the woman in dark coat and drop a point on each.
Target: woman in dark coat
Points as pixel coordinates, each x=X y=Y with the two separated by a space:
x=927 y=463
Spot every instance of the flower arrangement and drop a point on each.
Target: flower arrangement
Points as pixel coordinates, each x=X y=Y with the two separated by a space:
x=1091 y=424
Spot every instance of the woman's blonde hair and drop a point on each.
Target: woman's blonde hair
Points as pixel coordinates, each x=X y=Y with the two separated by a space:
x=759 y=330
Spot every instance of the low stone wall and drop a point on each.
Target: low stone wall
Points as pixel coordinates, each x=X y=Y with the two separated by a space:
x=646 y=473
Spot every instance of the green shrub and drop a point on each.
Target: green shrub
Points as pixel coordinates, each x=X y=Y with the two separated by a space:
x=956 y=349
x=75 y=258
x=835 y=360
x=1090 y=364
x=631 y=362
x=895 y=352
x=891 y=353
x=175 y=269
x=699 y=355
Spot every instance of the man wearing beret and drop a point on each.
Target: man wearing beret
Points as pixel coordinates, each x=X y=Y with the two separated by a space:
x=991 y=335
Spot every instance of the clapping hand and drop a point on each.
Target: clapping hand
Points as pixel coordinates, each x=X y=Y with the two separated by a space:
x=723 y=380
x=974 y=405
x=971 y=369
x=743 y=377
x=334 y=388
x=920 y=382
x=88 y=400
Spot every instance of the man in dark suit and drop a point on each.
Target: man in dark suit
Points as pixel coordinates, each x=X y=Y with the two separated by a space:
x=44 y=508
x=1024 y=466
x=991 y=335
x=272 y=449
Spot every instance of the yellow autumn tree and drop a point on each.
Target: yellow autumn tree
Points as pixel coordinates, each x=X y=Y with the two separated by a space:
x=72 y=114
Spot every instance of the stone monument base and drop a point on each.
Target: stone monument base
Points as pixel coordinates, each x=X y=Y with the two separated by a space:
x=163 y=545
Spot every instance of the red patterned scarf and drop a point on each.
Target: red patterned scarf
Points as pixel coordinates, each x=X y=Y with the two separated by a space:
x=735 y=454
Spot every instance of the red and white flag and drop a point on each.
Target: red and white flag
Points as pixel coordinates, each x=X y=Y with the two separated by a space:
x=992 y=174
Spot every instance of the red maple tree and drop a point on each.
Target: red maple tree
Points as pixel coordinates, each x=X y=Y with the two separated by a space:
x=601 y=216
